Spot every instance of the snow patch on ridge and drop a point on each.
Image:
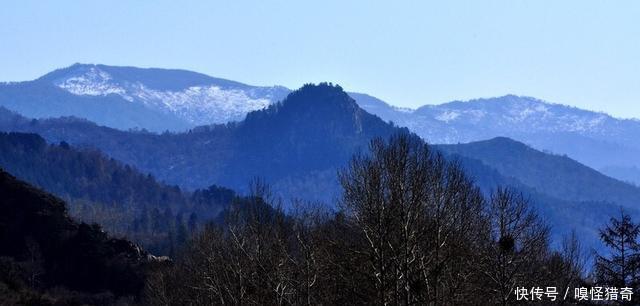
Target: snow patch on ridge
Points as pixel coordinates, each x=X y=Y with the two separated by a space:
x=94 y=82
x=202 y=104
x=199 y=105
x=448 y=116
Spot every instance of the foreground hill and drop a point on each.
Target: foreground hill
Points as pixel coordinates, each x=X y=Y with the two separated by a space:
x=42 y=248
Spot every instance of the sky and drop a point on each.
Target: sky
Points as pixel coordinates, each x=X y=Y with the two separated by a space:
x=583 y=53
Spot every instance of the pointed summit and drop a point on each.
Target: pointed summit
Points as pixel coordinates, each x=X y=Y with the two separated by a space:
x=322 y=108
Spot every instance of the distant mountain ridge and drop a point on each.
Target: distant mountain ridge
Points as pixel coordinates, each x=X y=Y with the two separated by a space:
x=595 y=139
x=557 y=176
x=150 y=98
x=315 y=129
x=161 y=100
x=298 y=145
x=519 y=114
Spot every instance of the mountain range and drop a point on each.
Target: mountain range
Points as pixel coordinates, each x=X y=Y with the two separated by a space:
x=98 y=189
x=595 y=139
x=299 y=144
x=194 y=131
x=130 y=98
x=160 y=100
x=296 y=145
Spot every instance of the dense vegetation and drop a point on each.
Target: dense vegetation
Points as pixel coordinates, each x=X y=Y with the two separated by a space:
x=298 y=145
x=569 y=195
x=413 y=229
x=404 y=224
x=559 y=176
x=104 y=191
x=46 y=258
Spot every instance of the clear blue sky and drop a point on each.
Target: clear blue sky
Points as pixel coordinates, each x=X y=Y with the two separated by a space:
x=409 y=53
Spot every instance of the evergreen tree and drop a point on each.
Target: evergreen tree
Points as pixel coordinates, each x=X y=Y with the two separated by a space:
x=620 y=268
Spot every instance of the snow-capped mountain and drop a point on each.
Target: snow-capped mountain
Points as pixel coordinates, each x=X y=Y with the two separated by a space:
x=175 y=100
x=129 y=97
x=595 y=139
x=196 y=98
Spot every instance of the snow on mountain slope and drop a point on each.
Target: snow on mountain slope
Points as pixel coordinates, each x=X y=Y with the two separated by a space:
x=523 y=114
x=200 y=100
x=593 y=138
x=175 y=100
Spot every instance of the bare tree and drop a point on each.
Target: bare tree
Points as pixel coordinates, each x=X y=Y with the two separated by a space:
x=517 y=246
x=415 y=211
x=412 y=230
x=34 y=263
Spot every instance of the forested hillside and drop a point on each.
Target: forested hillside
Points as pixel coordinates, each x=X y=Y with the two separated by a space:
x=102 y=190
x=595 y=139
x=555 y=175
x=413 y=230
x=298 y=145
x=47 y=258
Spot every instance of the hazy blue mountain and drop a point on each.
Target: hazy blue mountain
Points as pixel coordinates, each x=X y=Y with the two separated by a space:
x=41 y=99
x=177 y=100
x=126 y=98
x=299 y=144
x=595 y=139
x=563 y=215
x=102 y=190
x=296 y=145
x=626 y=174
x=381 y=109
x=129 y=97
x=568 y=195
x=90 y=177
x=557 y=176
x=83 y=174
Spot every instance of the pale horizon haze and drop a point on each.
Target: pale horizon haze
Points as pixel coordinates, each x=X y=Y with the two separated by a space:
x=408 y=53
